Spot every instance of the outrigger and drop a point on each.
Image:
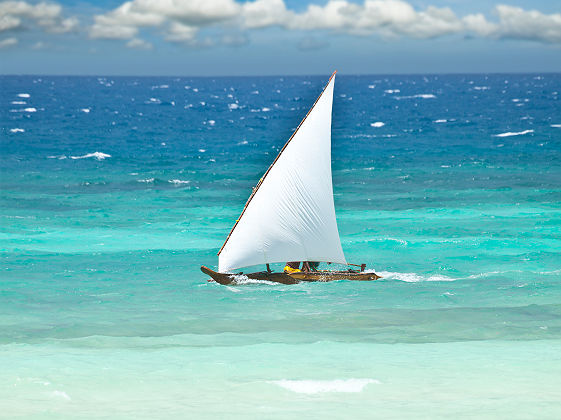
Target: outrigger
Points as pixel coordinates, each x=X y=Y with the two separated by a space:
x=290 y=215
x=292 y=278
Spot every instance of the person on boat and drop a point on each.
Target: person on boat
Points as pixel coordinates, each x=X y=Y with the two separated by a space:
x=310 y=266
x=292 y=267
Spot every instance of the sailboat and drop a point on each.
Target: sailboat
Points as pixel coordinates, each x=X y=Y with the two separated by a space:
x=290 y=215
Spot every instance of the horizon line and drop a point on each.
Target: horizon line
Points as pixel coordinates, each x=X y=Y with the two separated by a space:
x=283 y=75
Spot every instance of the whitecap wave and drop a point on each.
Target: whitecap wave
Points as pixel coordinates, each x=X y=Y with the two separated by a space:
x=146 y=181
x=18 y=102
x=95 y=155
x=233 y=106
x=316 y=386
x=392 y=91
x=24 y=95
x=420 y=95
x=17 y=130
x=178 y=181
x=440 y=121
x=377 y=124
x=510 y=133
x=30 y=109
x=556 y=125
x=85 y=110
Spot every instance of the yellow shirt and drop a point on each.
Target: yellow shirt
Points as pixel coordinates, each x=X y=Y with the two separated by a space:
x=289 y=270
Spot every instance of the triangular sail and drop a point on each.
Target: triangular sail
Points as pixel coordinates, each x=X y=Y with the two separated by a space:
x=291 y=215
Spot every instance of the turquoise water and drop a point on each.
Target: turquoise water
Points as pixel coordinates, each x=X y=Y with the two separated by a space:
x=116 y=190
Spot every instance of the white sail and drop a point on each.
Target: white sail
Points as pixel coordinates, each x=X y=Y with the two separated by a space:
x=291 y=214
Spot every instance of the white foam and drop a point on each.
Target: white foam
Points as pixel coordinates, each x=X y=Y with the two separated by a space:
x=30 y=109
x=233 y=106
x=96 y=155
x=556 y=125
x=178 y=181
x=210 y=122
x=86 y=110
x=17 y=130
x=413 y=277
x=377 y=124
x=265 y=109
x=315 y=386
x=420 y=95
x=509 y=133
x=242 y=142
x=241 y=279
x=24 y=95
x=481 y=87
x=61 y=394
x=392 y=91
x=202 y=150
x=146 y=181
x=371 y=86
x=19 y=102
x=440 y=121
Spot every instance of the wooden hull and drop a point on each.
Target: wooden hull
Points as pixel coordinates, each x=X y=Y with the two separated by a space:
x=293 y=278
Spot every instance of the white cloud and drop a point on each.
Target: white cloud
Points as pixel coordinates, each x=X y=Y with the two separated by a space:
x=185 y=17
x=518 y=23
x=8 y=22
x=140 y=44
x=479 y=25
x=264 y=13
x=48 y=16
x=183 y=21
x=8 y=42
x=178 y=32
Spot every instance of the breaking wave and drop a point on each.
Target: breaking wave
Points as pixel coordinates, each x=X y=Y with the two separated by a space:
x=509 y=133
x=95 y=155
x=315 y=386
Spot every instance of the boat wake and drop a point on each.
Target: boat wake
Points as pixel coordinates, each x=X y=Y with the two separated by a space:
x=413 y=277
x=241 y=279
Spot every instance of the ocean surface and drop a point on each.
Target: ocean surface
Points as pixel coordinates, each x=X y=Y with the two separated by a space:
x=115 y=190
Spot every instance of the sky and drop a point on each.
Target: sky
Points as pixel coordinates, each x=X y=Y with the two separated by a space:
x=274 y=37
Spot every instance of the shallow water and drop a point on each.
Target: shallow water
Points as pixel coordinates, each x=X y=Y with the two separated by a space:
x=115 y=191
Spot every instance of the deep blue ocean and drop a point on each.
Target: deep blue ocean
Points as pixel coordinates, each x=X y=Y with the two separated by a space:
x=115 y=190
